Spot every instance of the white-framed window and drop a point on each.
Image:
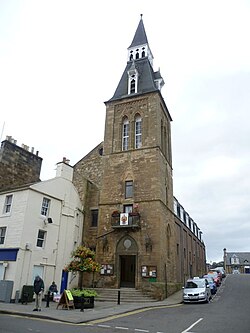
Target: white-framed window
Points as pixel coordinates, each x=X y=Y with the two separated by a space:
x=2 y=234
x=125 y=134
x=41 y=238
x=45 y=207
x=8 y=204
x=138 y=132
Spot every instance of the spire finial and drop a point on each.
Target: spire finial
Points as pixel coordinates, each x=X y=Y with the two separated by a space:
x=141 y=16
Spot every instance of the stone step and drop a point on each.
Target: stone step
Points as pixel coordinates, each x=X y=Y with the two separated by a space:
x=128 y=295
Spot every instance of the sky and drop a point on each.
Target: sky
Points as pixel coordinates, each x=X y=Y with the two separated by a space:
x=61 y=60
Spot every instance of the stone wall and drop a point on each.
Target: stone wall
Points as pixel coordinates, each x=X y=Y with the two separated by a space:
x=18 y=166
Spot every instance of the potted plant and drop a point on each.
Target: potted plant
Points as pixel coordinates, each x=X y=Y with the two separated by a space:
x=116 y=213
x=135 y=210
x=85 y=296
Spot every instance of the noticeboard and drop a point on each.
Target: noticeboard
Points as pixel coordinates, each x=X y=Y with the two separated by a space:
x=149 y=271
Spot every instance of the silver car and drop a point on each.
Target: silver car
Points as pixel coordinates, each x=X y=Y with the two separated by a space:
x=196 y=290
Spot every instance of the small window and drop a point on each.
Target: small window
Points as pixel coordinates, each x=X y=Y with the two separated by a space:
x=128 y=208
x=41 y=238
x=125 y=135
x=138 y=132
x=129 y=189
x=132 y=86
x=94 y=217
x=2 y=234
x=45 y=207
x=7 y=204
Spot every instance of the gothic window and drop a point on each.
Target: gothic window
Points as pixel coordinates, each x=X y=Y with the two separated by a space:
x=137 y=55
x=132 y=86
x=94 y=217
x=143 y=52
x=138 y=132
x=128 y=189
x=125 y=134
x=131 y=55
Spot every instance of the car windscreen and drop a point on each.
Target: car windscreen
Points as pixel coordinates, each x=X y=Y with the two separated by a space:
x=195 y=284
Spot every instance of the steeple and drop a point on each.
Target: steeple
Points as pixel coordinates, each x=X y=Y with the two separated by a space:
x=139 y=47
x=139 y=76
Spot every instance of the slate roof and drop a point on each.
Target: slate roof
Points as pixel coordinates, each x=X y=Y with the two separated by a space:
x=244 y=257
x=140 y=36
x=146 y=77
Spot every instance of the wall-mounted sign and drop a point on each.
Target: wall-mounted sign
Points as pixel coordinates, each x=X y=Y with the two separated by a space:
x=107 y=269
x=148 y=271
x=124 y=219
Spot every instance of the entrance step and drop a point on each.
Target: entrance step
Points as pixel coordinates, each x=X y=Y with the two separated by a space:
x=127 y=295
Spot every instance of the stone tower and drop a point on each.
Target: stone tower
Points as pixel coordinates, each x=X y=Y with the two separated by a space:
x=136 y=232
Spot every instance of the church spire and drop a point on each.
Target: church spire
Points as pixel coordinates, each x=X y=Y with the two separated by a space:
x=139 y=47
x=139 y=76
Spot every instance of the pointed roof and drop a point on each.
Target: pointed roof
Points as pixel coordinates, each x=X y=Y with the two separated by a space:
x=140 y=36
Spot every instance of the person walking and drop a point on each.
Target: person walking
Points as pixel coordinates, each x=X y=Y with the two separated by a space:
x=38 y=289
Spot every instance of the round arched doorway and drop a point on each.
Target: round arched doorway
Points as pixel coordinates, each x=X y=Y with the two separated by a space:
x=127 y=251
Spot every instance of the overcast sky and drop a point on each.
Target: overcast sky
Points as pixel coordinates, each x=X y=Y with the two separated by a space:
x=60 y=60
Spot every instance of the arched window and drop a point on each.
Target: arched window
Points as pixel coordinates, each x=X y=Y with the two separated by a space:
x=132 y=86
x=137 y=55
x=143 y=52
x=125 y=134
x=138 y=132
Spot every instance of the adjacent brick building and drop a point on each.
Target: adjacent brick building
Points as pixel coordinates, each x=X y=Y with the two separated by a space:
x=126 y=187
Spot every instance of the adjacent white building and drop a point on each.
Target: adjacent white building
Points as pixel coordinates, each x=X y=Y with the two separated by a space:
x=40 y=225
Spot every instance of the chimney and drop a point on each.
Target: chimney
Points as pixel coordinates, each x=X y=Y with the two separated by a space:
x=64 y=170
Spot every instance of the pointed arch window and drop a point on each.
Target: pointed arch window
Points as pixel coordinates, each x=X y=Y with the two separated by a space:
x=131 y=56
x=132 y=86
x=125 y=134
x=143 y=52
x=138 y=132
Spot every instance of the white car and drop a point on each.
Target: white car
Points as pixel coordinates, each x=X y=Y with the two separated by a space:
x=196 y=290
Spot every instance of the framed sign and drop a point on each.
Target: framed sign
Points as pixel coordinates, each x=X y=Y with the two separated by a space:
x=148 y=271
x=124 y=219
x=107 y=269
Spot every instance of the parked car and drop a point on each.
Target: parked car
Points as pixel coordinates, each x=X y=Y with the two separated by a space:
x=236 y=271
x=212 y=284
x=216 y=277
x=196 y=290
x=221 y=269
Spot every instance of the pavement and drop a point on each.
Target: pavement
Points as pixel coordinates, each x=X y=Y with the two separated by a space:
x=100 y=311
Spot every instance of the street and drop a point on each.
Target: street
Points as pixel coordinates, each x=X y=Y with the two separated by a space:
x=228 y=311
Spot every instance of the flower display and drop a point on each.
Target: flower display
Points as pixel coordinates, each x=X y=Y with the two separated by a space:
x=84 y=261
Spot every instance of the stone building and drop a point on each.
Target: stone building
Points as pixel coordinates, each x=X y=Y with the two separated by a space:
x=18 y=165
x=126 y=187
x=236 y=262
x=40 y=225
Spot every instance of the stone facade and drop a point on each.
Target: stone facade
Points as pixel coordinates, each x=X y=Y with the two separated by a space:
x=139 y=240
x=18 y=166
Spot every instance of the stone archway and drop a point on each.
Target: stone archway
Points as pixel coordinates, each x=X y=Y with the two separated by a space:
x=127 y=251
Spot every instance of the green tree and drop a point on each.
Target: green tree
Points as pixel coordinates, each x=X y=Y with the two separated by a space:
x=83 y=261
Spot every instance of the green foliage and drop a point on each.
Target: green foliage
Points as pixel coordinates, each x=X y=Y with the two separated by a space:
x=84 y=261
x=83 y=292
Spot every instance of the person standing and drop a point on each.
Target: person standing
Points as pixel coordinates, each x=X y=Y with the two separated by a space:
x=38 y=289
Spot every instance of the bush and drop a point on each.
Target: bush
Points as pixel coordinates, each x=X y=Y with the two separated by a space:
x=83 y=292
